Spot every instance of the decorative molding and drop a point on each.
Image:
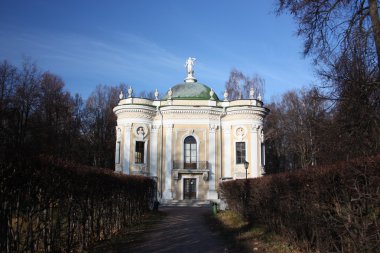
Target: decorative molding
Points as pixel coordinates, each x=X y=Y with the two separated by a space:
x=148 y=112
x=246 y=110
x=190 y=112
x=195 y=117
x=254 y=117
x=136 y=113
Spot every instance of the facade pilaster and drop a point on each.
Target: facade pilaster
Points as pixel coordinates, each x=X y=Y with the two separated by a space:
x=212 y=194
x=254 y=163
x=127 y=148
x=227 y=151
x=153 y=150
x=118 y=167
x=168 y=161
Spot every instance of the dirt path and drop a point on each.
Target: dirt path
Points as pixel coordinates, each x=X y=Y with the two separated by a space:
x=183 y=230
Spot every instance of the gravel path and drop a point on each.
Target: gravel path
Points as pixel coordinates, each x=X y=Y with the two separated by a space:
x=182 y=230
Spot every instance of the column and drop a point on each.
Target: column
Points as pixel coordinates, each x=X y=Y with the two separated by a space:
x=212 y=194
x=168 y=162
x=227 y=151
x=262 y=152
x=127 y=148
x=254 y=163
x=117 y=150
x=153 y=150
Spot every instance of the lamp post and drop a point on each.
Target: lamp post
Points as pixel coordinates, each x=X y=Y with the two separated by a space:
x=246 y=165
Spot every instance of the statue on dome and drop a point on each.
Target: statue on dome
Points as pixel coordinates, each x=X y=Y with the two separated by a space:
x=189 y=65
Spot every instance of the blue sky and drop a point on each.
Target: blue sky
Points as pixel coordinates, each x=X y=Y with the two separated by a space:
x=145 y=43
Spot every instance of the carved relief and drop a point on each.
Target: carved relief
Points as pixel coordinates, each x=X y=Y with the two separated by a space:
x=205 y=176
x=240 y=133
x=140 y=131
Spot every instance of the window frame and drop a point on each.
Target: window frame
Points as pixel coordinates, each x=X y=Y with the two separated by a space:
x=138 y=159
x=243 y=157
x=192 y=152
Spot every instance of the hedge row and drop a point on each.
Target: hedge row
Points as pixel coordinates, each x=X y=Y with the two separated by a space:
x=55 y=206
x=327 y=209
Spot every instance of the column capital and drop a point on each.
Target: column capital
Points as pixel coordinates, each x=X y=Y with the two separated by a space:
x=256 y=128
x=169 y=125
x=213 y=127
x=128 y=126
x=155 y=128
x=226 y=129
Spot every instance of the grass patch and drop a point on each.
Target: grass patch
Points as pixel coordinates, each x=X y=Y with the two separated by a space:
x=131 y=236
x=244 y=237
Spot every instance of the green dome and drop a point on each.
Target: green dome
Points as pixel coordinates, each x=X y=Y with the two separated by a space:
x=196 y=91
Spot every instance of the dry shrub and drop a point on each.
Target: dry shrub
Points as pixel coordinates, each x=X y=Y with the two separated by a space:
x=50 y=205
x=329 y=209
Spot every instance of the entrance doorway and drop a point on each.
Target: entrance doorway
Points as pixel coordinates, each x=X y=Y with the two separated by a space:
x=189 y=188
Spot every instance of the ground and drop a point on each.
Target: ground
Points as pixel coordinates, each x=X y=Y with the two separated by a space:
x=175 y=229
x=195 y=229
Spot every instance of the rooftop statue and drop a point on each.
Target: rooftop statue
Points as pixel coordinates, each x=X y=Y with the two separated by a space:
x=189 y=65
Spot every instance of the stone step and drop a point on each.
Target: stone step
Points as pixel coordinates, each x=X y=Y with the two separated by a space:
x=186 y=203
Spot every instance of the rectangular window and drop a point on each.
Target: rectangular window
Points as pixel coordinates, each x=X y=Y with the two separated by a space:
x=117 y=161
x=139 y=152
x=240 y=152
x=262 y=154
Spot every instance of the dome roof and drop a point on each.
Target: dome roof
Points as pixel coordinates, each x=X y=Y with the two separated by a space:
x=191 y=90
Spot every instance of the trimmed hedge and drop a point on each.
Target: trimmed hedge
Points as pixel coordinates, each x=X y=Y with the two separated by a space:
x=56 y=206
x=328 y=209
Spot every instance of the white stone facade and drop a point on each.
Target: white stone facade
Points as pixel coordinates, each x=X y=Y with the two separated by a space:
x=189 y=145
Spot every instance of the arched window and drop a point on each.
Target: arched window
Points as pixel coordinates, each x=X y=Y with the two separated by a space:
x=190 y=152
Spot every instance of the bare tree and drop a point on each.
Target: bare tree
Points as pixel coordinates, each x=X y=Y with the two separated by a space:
x=147 y=94
x=295 y=130
x=326 y=25
x=352 y=80
x=54 y=119
x=99 y=126
x=8 y=78
x=26 y=101
x=239 y=85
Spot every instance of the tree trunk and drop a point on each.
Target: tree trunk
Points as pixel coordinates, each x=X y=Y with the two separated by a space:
x=374 y=13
